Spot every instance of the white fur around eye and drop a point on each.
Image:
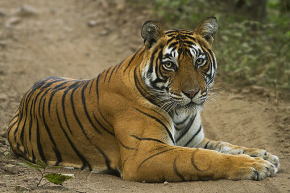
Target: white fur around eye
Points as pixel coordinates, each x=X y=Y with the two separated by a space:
x=200 y=61
x=168 y=65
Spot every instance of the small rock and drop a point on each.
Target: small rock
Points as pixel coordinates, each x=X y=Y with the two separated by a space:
x=258 y=89
x=12 y=169
x=19 y=188
x=3 y=97
x=26 y=11
x=12 y=21
x=121 y=5
x=68 y=167
x=3 y=44
x=2 y=184
x=245 y=91
x=236 y=97
x=93 y=23
x=2 y=13
x=165 y=183
x=10 y=165
x=104 y=32
x=3 y=132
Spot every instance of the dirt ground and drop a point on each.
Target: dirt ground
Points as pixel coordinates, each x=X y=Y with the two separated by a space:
x=79 y=39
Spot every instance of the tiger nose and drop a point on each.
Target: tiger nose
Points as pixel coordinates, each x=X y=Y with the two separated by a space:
x=190 y=93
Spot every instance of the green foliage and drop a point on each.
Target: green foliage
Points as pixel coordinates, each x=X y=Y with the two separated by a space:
x=41 y=167
x=249 y=51
x=57 y=178
x=254 y=53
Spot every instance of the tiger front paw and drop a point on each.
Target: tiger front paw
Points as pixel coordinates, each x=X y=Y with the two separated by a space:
x=251 y=168
x=261 y=153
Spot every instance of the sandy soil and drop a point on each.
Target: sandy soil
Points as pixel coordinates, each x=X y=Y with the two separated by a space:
x=79 y=39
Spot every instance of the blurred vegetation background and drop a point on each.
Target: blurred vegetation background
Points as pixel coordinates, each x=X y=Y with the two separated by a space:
x=253 y=42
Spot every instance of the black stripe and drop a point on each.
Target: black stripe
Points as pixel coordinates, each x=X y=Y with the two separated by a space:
x=137 y=83
x=97 y=87
x=91 y=86
x=50 y=101
x=38 y=142
x=55 y=149
x=158 y=153
x=193 y=136
x=158 y=148
x=25 y=108
x=170 y=40
x=181 y=122
x=157 y=80
x=206 y=145
x=73 y=146
x=131 y=60
x=59 y=85
x=12 y=125
x=63 y=105
x=111 y=73
x=167 y=130
x=142 y=90
x=157 y=65
x=125 y=146
x=36 y=117
x=17 y=127
x=106 y=74
x=50 y=83
x=173 y=44
x=30 y=130
x=169 y=123
x=74 y=112
x=107 y=160
x=186 y=129
x=55 y=89
x=176 y=170
x=33 y=155
x=44 y=83
x=35 y=101
x=118 y=66
x=104 y=128
x=188 y=42
x=147 y=139
x=103 y=117
x=192 y=38
x=150 y=70
x=86 y=110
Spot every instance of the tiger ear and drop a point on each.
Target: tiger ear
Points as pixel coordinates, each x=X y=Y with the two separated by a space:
x=207 y=28
x=151 y=32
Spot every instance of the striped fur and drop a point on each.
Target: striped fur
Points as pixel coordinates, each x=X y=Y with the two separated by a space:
x=140 y=118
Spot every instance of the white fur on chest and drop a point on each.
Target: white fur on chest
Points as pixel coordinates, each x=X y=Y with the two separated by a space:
x=188 y=129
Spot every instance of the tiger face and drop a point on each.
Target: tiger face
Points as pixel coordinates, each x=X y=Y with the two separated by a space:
x=182 y=66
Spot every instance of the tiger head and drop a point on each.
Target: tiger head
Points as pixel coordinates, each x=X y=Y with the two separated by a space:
x=180 y=65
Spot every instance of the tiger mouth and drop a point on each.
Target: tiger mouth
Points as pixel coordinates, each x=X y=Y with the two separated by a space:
x=194 y=104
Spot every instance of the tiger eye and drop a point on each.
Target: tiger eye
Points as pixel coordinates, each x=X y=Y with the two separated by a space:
x=168 y=65
x=199 y=61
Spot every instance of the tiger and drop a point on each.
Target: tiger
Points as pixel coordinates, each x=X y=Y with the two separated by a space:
x=140 y=118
